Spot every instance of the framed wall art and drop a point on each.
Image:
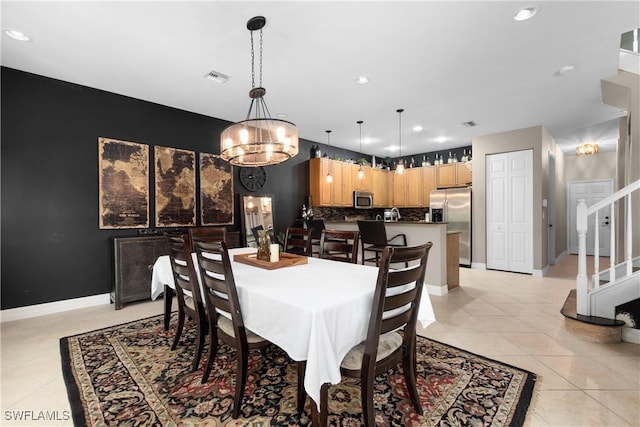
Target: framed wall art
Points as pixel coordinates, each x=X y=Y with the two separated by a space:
x=216 y=190
x=175 y=182
x=123 y=169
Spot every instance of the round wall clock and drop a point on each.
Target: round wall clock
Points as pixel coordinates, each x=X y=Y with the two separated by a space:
x=253 y=179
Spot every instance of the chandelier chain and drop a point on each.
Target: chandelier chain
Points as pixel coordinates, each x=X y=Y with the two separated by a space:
x=261 y=57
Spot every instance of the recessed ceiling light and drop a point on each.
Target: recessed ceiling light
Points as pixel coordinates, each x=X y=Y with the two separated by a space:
x=526 y=13
x=441 y=139
x=281 y=115
x=17 y=35
x=363 y=80
x=417 y=128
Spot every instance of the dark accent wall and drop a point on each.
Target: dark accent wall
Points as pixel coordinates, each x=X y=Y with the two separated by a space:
x=52 y=248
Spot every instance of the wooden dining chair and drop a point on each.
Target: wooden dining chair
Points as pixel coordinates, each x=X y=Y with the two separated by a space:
x=316 y=226
x=339 y=245
x=187 y=289
x=373 y=238
x=224 y=314
x=384 y=347
x=297 y=241
x=209 y=233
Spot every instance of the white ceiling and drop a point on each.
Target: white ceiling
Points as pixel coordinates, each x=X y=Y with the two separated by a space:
x=445 y=63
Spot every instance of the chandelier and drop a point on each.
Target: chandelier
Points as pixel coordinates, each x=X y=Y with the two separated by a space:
x=259 y=140
x=586 y=149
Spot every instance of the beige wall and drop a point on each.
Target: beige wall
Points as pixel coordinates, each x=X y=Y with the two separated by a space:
x=623 y=91
x=562 y=240
x=537 y=139
x=586 y=168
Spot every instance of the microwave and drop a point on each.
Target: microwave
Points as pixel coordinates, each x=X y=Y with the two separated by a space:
x=362 y=200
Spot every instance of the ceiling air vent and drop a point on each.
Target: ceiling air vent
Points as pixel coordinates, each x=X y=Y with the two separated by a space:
x=469 y=124
x=217 y=76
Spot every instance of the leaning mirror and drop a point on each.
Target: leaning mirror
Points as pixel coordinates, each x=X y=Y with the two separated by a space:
x=257 y=214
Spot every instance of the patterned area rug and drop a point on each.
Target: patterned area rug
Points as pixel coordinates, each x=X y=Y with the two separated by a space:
x=127 y=375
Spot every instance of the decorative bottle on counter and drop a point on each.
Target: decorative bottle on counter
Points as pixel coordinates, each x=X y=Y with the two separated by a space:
x=264 y=254
x=424 y=161
x=304 y=212
x=450 y=159
x=413 y=162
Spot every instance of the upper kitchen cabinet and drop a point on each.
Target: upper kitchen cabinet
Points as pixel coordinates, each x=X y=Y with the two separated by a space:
x=319 y=189
x=453 y=175
x=364 y=184
x=381 y=193
x=428 y=183
x=399 y=189
x=414 y=185
x=339 y=192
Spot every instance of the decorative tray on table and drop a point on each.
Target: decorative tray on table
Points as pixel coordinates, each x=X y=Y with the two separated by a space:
x=286 y=260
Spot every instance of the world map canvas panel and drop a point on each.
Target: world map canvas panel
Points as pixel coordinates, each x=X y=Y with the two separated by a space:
x=216 y=190
x=175 y=182
x=123 y=184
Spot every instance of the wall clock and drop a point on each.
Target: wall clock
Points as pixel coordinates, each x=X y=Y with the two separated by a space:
x=253 y=179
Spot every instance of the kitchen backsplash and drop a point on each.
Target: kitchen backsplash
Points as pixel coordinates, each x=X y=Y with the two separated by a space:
x=341 y=214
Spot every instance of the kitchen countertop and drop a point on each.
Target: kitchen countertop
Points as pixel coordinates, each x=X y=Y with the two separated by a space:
x=387 y=222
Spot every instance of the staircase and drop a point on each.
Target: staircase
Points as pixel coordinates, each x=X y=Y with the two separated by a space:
x=590 y=309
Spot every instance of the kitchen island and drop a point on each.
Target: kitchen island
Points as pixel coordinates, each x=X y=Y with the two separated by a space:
x=419 y=232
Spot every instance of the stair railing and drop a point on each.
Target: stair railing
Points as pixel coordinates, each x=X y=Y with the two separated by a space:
x=583 y=212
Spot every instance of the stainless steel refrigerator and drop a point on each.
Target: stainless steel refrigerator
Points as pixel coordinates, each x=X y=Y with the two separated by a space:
x=453 y=206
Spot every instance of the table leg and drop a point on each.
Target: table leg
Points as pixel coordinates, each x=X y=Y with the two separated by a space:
x=319 y=419
x=168 y=299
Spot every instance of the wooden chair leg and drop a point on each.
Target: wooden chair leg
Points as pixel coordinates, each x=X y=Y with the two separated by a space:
x=366 y=394
x=168 y=300
x=241 y=380
x=176 y=339
x=199 y=347
x=211 y=354
x=409 y=370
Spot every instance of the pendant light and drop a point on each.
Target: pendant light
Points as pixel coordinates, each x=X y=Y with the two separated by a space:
x=259 y=140
x=329 y=177
x=360 y=171
x=400 y=166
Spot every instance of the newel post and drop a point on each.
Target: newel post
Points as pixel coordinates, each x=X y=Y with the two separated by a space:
x=582 y=305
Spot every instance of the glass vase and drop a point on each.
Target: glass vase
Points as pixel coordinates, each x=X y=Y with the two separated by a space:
x=263 y=246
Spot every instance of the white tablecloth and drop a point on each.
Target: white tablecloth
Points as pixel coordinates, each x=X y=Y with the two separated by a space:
x=315 y=312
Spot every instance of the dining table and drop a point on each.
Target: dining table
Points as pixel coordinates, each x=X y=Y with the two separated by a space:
x=316 y=312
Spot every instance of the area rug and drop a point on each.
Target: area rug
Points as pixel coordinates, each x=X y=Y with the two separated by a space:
x=128 y=375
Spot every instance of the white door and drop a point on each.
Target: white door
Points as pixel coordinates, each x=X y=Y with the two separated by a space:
x=510 y=211
x=592 y=192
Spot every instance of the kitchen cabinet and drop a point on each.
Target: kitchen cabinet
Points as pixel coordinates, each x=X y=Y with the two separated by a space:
x=380 y=186
x=399 y=189
x=411 y=189
x=428 y=183
x=414 y=185
x=463 y=174
x=319 y=189
x=453 y=175
x=365 y=184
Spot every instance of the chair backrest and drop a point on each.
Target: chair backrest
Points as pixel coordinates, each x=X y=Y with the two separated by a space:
x=298 y=241
x=339 y=245
x=209 y=234
x=316 y=226
x=397 y=296
x=218 y=284
x=254 y=231
x=184 y=274
x=372 y=232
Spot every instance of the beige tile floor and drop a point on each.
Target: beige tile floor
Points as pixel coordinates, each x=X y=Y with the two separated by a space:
x=510 y=317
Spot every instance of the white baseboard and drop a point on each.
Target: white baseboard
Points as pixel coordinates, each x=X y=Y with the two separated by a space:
x=559 y=257
x=436 y=290
x=478 y=266
x=540 y=273
x=52 y=307
x=631 y=335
